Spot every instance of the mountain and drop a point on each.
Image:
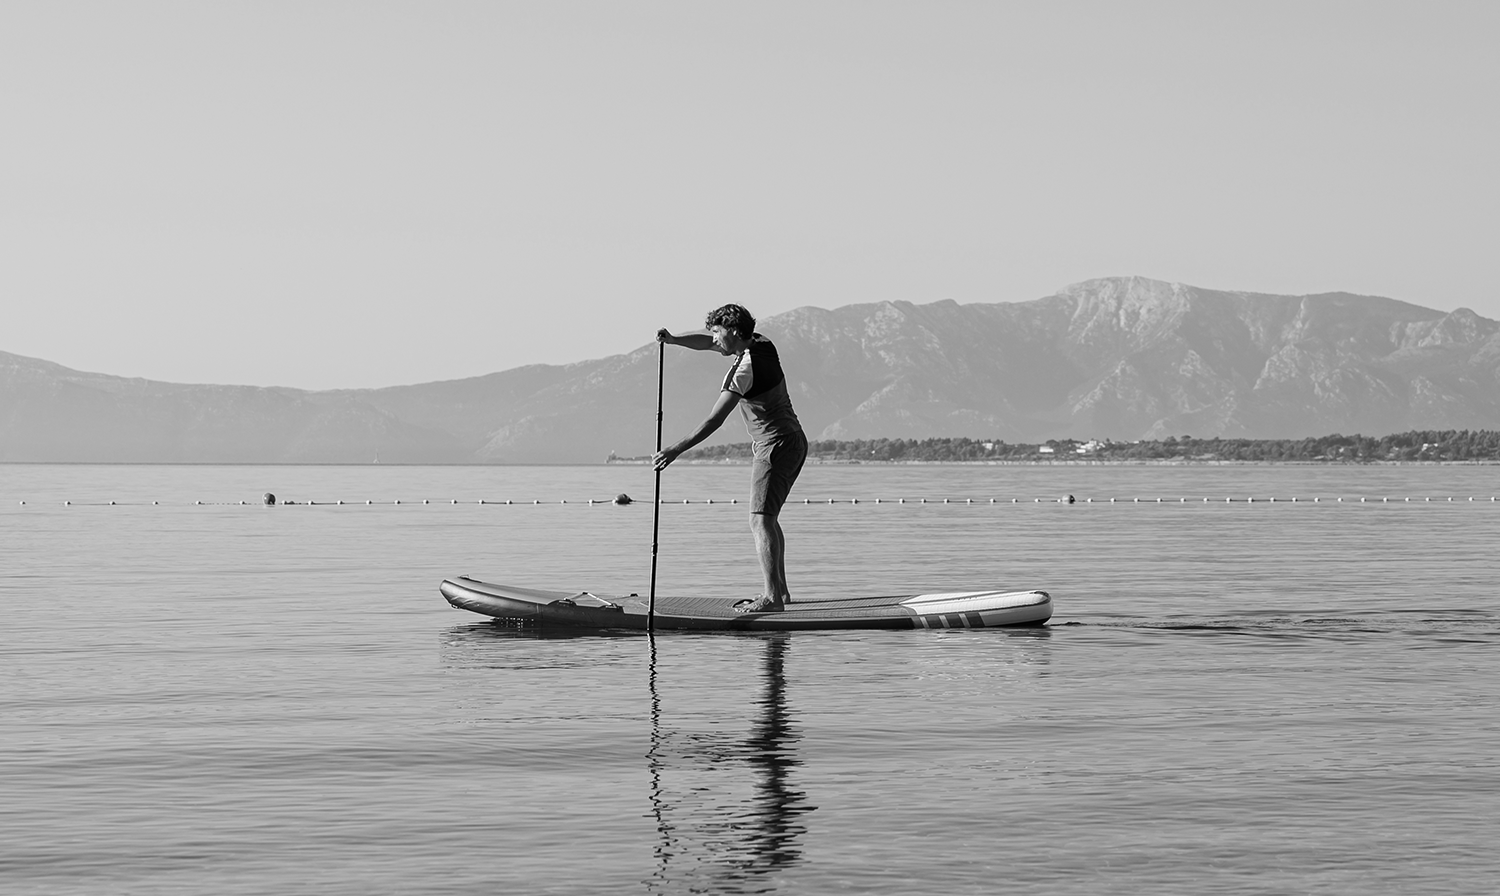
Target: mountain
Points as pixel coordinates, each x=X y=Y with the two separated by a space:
x=1131 y=358
x=1120 y=358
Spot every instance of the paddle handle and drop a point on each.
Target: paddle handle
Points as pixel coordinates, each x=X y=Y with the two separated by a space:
x=661 y=360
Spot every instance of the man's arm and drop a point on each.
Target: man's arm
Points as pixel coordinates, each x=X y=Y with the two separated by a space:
x=716 y=417
x=700 y=342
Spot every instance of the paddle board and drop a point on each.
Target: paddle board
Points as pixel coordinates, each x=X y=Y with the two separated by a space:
x=585 y=609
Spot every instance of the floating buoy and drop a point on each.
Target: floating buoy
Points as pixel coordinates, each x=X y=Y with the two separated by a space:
x=269 y=499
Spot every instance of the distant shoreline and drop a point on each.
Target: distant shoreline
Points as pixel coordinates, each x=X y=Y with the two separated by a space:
x=812 y=461
x=745 y=462
x=1416 y=446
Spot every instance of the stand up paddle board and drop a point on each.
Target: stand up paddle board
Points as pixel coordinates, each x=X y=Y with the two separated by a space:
x=584 y=609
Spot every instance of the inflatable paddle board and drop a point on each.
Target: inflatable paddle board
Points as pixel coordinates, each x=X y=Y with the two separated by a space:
x=954 y=609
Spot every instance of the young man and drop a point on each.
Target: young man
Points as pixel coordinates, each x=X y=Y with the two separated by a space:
x=755 y=383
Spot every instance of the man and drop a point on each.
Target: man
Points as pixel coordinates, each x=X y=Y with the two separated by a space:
x=755 y=383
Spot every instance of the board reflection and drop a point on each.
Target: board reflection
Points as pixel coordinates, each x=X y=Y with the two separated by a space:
x=704 y=721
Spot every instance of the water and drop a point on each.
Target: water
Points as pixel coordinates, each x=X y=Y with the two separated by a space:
x=1232 y=697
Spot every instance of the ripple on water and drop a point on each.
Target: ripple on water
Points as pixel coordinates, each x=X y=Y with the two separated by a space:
x=1248 y=698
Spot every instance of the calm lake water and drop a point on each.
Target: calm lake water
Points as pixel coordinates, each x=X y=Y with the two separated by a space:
x=1233 y=697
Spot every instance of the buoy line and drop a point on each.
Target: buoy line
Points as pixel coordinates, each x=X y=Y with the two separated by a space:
x=964 y=502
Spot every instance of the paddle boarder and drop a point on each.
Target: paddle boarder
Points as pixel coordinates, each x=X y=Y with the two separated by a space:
x=757 y=385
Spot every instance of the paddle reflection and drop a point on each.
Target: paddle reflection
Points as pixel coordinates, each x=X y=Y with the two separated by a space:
x=713 y=835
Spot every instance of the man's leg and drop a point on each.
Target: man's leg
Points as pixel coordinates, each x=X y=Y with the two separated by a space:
x=771 y=478
x=770 y=548
x=780 y=560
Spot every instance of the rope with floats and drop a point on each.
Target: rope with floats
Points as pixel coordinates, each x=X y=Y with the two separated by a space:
x=620 y=500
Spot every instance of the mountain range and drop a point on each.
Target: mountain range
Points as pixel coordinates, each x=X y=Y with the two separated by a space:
x=1121 y=358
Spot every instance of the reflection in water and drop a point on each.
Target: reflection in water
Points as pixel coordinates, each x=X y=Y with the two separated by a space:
x=709 y=833
x=720 y=809
x=506 y=629
x=726 y=813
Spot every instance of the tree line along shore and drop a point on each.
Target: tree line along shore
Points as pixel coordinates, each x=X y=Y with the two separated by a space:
x=1474 y=446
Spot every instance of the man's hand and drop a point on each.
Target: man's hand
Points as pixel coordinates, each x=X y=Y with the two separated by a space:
x=663 y=336
x=662 y=458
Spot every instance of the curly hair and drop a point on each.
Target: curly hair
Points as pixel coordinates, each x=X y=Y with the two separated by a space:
x=731 y=317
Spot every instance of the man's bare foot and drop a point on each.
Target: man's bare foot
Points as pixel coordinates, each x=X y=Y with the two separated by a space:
x=758 y=604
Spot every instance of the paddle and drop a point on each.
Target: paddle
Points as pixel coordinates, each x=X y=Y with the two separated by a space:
x=661 y=360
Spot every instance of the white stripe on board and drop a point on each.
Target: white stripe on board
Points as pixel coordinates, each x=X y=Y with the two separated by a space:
x=973 y=601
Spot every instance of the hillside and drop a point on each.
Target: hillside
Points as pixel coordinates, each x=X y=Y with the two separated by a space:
x=1117 y=358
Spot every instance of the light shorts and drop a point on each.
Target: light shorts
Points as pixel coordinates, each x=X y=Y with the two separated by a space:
x=776 y=465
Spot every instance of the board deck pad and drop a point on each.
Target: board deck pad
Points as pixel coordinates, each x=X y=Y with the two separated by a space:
x=947 y=609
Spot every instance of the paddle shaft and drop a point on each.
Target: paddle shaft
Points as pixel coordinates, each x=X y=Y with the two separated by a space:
x=661 y=360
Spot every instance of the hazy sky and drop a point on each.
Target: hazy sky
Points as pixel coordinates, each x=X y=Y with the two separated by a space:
x=323 y=194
